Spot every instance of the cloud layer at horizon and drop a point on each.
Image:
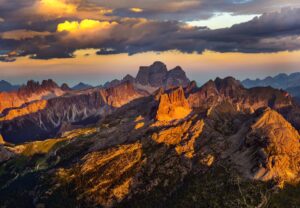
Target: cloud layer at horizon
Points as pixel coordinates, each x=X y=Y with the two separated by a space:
x=46 y=29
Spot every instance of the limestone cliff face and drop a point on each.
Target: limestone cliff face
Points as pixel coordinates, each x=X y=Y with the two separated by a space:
x=152 y=75
x=30 y=92
x=173 y=105
x=277 y=148
x=121 y=94
x=157 y=75
x=30 y=108
x=45 y=119
x=229 y=89
x=150 y=78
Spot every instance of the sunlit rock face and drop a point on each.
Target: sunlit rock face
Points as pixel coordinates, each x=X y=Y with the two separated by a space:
x=49 y=118
x=30 y=92
x=164 y=149
x=275 y=145
x=121 y=94
x=214 y=92
x=30 y=108
x=173 y=105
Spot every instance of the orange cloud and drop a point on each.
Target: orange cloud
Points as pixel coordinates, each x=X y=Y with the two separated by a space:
x=85 y=32
x=136 y=10
x=22 y=34
x=86 y=24
x=55 y=8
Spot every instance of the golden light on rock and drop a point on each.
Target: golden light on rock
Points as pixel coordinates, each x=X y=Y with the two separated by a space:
x=173 y=106
x=30 y=108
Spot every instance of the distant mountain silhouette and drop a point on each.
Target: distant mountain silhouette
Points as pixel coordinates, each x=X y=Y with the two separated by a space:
x=295 y=92
x=280 y=81
x=81 y=86
x=290 y=83
x=7 y=87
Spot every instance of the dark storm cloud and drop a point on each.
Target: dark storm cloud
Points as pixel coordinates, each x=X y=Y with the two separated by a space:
x=192 y=9
x=269 y=33
x=275 y=31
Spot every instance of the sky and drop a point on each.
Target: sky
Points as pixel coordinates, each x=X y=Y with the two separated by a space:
x=95 y=41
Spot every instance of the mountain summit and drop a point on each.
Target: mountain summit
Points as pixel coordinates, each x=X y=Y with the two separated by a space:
x=157 y=75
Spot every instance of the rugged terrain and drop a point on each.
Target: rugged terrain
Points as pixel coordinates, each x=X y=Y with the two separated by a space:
x=218 y=145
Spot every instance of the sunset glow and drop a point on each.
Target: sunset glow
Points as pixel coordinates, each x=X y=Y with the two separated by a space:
x=86 y=38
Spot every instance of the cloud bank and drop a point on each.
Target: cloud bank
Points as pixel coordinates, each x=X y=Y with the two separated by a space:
x=45 y=29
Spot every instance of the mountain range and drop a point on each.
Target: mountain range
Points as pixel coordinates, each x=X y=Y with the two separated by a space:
x=8 y=87
x=290 y=83
x=154 y=140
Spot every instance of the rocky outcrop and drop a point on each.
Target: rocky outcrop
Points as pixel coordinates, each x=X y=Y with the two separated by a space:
x=229 y=89
x=82 y=86
x=112 y=83
x=26 y=109
x=273 y=147
x=5 y=154
x=121 y=94
x=1 y=140
x=157 y=75
x=79 y=108
x=176 y=77
x=33 y=87
x=150 y=78
x=32 y=91
x=152 y=75
x=173 y=105
x=65 y=87
x=116 y=82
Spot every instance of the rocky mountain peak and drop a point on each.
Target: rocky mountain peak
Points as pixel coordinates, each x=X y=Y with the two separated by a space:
x=157 y=75
x=173 y=105
x=229 y=86
x=121 y=94
x=65 y=87
x=81 y=86
x=49 y=84
x=128 y=77
x=158 y=66
x=277 y=144
x=191 y=87
x=152 y=75
x=228 y=82
x=35 y=87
